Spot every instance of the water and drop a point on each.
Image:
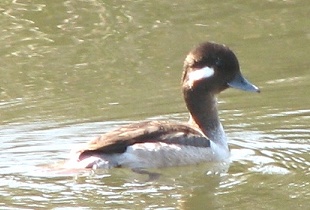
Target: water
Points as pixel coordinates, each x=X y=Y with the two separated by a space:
x=71 y=70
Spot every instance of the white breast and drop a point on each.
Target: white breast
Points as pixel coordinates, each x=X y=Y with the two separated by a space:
x=154 y=155
x=159 y=154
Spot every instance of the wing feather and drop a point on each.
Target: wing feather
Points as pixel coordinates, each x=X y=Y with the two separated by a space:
x=169 y=132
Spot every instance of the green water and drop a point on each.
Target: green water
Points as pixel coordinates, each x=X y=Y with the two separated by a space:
x=71 y=70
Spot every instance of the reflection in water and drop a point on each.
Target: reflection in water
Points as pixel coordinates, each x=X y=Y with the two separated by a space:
x=255 y=156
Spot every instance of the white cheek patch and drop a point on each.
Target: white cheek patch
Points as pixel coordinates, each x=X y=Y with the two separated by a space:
x=200 y=74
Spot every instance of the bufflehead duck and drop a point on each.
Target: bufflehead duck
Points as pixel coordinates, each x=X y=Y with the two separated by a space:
x=208 y=69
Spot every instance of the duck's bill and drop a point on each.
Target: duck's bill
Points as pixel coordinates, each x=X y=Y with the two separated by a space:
x=239 y=82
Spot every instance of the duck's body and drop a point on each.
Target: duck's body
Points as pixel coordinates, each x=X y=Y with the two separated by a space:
x=208 y=69
x=150 y=144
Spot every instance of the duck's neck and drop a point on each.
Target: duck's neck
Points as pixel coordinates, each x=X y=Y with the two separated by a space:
x=204 y=115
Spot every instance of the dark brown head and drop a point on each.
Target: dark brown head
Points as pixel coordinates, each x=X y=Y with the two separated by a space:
x=213 y=67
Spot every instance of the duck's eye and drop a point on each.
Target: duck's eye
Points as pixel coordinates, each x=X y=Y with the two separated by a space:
x=200 y=74
x=218 y=62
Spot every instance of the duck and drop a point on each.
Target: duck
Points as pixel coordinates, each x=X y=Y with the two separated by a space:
x=208 y=69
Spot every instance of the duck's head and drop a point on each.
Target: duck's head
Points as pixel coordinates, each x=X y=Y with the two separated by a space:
x=213 y=67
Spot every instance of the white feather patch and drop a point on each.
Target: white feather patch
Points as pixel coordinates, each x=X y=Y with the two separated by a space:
x=203 y=73
x=160 y=154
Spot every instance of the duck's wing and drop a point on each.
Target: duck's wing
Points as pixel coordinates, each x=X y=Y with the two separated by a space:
x=168 y=132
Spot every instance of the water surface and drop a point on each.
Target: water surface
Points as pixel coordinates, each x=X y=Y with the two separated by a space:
x=71 y=70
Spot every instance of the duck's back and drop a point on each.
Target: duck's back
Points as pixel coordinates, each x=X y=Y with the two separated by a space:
x=146 y=145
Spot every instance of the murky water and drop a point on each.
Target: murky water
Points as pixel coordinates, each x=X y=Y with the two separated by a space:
x=71 y=70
